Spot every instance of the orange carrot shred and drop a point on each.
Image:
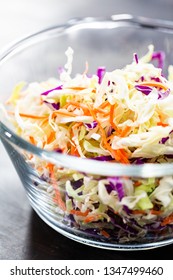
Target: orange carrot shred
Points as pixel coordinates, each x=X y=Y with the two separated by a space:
x=136 y=184
x=156 y=212
x=105 y=233
x=162 y=124
x=57 y=197
x=117 y=154
x=31 y=116
x=92 y=218
x=154 y=84
x=125 y=131
x=32 y=140
x=51 y=137
x=167 y=220
x=79 y=213
x=111 y=116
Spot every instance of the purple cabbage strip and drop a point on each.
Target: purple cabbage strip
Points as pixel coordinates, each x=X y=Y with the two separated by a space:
x=144 y=89
x=163 y=140
x=77 y=184
x=55 y=106
x=147 y=90
x=163 y=95
x=118 y=222
x=116 y=184
x=58 y=150
x=142 y=78
x=140 y=161
x=48 y=91
x=103 y=158
x=160 y=56
x=136 y=58
x=156 y=79
x=91 y=125
x=100 y=73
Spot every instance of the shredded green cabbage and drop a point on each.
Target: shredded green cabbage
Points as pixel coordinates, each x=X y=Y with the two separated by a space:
x=125 y=115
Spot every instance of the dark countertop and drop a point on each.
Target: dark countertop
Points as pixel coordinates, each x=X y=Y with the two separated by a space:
x=23 y=235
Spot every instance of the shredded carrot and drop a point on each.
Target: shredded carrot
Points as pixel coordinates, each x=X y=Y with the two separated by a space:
x=168 y=220
x=111 y=117
x=137 y=184
x=154 y=84
x=162 y=124
x=110 y=137
x=51 y=137
x=105 y=233
x=57 y=197
x=123 y=156
x=104 y=105
x=74 y=149
x=32 y=140
x=162 y=116
x=100 y=111
x=92 y=218
x=76 y=88
x=45 y=121
x=79 y=213
x=30 y=116
x=116 y=154
x=156 y=212
x=125 y=131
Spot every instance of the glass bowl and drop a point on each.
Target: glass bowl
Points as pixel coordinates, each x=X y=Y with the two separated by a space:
x=108 y=42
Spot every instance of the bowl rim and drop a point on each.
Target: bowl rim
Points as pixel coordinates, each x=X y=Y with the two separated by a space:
x=85 y=165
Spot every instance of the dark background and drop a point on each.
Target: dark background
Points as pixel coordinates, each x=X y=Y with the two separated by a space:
x=23 y=235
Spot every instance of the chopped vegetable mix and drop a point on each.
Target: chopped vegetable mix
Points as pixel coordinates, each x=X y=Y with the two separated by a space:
x=123 y=116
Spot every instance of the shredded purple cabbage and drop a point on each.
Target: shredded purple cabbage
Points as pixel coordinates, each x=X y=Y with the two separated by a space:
x=118 y=222
x=55 y=106
x=91 y=125
x=100 y=73
x=144 y=89
x=163 y=140
x=147 y=90
x=58 y=150
x=77 y=184
x=139 y=160
x=103 y=158
x=48 y=91
x=164 y=94
x=156 y=79
x=142 y=78
x=136 y=58
x=116 y=184
x=160 y=56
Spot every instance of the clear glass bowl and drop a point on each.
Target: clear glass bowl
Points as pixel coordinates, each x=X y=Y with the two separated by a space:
x=108 y=42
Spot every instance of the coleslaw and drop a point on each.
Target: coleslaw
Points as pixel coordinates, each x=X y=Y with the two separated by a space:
x=122 y=116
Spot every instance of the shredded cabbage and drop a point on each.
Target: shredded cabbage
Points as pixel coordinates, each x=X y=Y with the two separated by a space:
x=121 y=116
